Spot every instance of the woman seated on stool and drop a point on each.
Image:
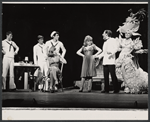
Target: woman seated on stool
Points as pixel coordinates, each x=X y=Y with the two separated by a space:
x=54 y=73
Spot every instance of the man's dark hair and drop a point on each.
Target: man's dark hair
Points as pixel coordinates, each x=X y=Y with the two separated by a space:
x=108 y=32
x=8 y=32
x=40 y=37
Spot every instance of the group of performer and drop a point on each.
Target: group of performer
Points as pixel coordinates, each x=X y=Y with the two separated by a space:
x=126 y=67
x=48 y=57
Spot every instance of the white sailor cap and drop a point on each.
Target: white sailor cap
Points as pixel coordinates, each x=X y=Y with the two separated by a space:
x=52 y=34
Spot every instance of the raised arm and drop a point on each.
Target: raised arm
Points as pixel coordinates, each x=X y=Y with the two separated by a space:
x=79 y=52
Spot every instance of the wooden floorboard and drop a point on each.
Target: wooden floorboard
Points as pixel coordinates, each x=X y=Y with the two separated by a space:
x=71 y=98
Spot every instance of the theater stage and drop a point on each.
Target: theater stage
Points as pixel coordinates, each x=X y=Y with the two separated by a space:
x=71 y=98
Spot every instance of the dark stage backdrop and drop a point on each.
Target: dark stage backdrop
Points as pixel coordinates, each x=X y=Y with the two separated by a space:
x=74 y=22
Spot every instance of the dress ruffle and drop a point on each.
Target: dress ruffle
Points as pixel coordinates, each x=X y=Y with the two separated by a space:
x=135 y=79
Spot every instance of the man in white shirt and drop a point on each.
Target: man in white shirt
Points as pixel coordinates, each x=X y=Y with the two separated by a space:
x=9 y=49
x=39 y=55
x=110 y=47
x=40 y=58
x=55 y=43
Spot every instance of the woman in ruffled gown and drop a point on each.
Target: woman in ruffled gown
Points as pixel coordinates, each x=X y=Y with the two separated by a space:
x=127 y=67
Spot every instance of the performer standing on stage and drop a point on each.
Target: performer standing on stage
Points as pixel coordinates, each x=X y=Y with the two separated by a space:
x=135 y=79
x=9 y=49
x=88 y=65
x=55 y=43
x=109 y=49
x=39 y=56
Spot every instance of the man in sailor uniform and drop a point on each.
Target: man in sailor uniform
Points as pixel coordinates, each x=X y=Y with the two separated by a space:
x=40 y=57
x=55 y=43
x=9 y=49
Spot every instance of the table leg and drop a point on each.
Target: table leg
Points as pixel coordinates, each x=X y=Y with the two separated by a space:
x=25 y=80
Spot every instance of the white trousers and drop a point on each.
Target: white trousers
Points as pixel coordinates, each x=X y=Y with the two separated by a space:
x=8 y=64
x=43 y=68
x=52 y=74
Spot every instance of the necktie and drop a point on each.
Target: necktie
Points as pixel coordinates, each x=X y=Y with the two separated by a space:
x=53 y=44
x=41 y=48
x=10 y=44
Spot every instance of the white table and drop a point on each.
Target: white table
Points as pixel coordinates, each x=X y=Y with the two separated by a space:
x=26 y=68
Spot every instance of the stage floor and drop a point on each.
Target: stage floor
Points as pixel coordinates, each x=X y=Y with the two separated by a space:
x=71 y=98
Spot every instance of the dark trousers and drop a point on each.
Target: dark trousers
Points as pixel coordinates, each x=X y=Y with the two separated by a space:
x=110 y=69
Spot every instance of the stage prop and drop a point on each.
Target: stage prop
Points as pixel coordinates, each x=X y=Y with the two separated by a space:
x=26 y=68
x=99 y=79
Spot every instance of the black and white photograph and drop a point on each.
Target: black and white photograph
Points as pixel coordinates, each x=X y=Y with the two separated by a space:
x=74 y=60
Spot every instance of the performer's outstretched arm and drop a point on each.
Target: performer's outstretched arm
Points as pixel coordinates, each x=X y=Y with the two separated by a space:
x=141 y=51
